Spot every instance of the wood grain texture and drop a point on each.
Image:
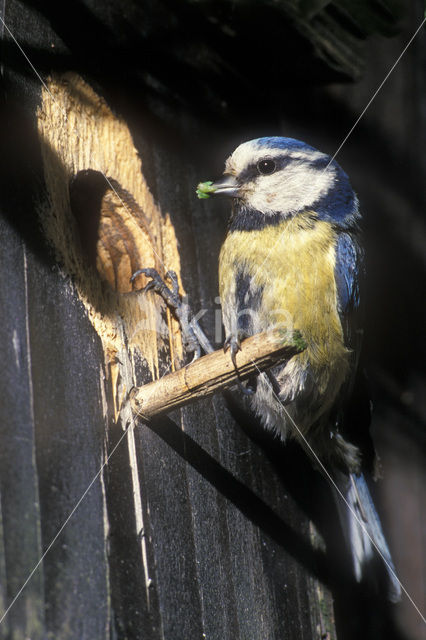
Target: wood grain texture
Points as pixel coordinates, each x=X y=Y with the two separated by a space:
x=21 y=542
x=128 y=225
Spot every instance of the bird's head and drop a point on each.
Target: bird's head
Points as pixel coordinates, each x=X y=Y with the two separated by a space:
x=282 y=176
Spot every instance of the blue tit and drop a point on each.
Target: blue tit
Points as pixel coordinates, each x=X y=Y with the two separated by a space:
x=292 y=258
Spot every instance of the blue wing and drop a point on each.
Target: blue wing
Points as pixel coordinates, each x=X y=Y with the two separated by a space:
x=354 y=406
x=354 y=421
x=348 y=273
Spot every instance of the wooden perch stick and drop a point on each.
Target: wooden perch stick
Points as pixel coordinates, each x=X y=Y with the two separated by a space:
x=215 y=372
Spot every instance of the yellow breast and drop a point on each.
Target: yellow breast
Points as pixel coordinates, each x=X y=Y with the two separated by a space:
x=293 y=264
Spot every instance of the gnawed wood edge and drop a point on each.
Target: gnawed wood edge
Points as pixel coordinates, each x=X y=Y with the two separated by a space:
x=78 y=131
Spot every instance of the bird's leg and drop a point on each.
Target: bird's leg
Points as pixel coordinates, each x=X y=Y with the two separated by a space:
x=193 y=335
x=233 y=343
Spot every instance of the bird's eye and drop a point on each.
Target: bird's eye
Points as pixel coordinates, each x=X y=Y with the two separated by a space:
x=266 y=167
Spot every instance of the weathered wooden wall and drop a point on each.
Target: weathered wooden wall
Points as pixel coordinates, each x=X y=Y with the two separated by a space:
x=197 y=526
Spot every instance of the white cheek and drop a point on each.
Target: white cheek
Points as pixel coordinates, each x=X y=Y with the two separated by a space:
x=289 y=190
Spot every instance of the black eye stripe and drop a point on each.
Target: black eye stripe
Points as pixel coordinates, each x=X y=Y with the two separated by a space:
x=251 y=172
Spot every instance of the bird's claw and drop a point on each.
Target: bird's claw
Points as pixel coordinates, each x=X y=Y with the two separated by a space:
x=233 y=343
x=170 y=296
x=149 y=273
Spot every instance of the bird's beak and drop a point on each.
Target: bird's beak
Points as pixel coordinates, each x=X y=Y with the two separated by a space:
x=226 y=186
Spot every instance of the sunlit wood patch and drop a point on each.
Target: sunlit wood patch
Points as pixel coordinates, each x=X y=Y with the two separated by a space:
x=103 y=224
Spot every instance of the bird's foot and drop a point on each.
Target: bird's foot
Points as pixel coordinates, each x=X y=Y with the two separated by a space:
x=174 y=301
x=170 y=296
x=233 y=343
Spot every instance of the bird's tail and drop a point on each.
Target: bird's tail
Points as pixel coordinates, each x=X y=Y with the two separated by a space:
x=363 y=531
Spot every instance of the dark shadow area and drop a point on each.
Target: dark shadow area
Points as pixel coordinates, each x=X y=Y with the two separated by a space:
x=242 y=497
x=361 y=611
x=87 y=188
x=21 y=175
x=190 y=53
x=161 y=57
